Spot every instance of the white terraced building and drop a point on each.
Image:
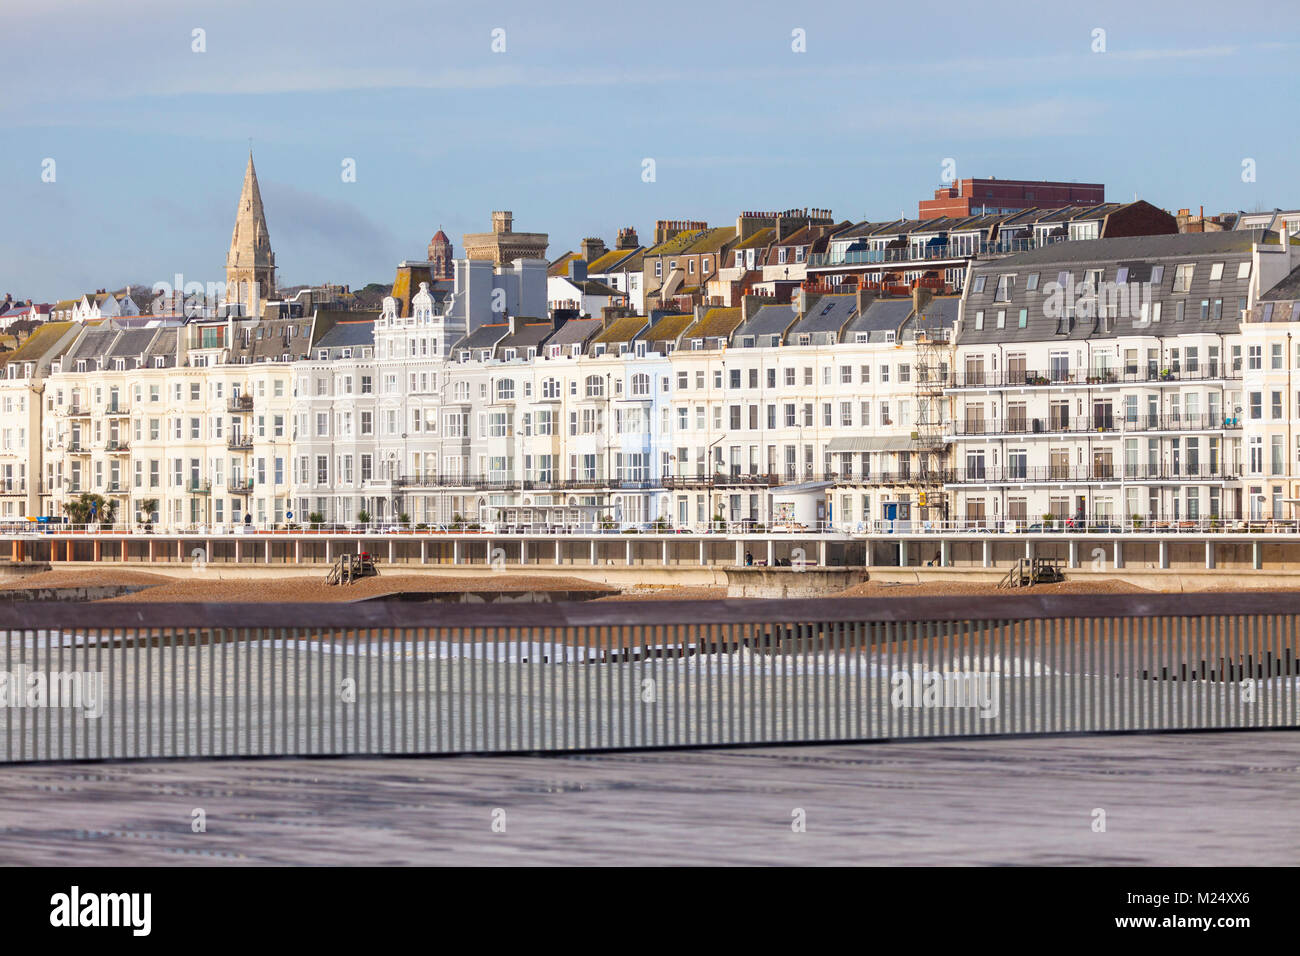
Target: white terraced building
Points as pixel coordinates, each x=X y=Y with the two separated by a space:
x=1127 y=381
x=1003 y=406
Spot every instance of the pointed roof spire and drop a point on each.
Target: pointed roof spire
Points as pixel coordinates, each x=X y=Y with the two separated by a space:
x=250 y=243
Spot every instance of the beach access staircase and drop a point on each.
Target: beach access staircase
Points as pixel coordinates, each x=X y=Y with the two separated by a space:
x=1029 y=571
x=348 y=568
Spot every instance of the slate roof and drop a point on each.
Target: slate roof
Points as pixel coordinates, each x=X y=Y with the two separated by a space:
x=1129 y=247
x=593 y=287
x=91 y=344
x=829 y=313
x=349 y=333
x=132 y=342
x=266 y=340
x=881 y=316
x=940 y=313
x=1288 y=288
x=529 y=335
x=1139 y=255
x=576 y=332
x=164 y=347
x=769 y=320
x=484 y=337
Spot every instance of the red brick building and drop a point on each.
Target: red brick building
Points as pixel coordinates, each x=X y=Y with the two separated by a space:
x=973 y=197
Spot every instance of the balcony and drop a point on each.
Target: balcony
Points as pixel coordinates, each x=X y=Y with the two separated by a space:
x=1105 y=425
x=196 y=486
x=117 y=410
x=77 y=411
x=13 y=486
x=240 y=443
x=1020 y=378
x=117 y=447
x=240 y=487
x=116 y=488
x=77 y=448
x=722 y=480
x=239 y=404
x=929 y=252
x=1093 y=474
x=906 y=476
x=504 y=483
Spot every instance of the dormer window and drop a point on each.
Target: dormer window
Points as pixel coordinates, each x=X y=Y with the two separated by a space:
x=81 y=365
x=159 y=362
x=323 y=354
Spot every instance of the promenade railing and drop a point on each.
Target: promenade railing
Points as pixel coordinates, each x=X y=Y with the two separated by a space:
x=108 y=681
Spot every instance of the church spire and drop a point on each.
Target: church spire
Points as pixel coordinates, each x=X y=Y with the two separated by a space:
x=250 y=259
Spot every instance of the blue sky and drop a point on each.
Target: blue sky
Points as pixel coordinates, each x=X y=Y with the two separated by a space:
x=150 y=138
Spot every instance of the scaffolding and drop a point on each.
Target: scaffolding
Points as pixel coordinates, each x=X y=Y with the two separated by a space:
x=928 y=439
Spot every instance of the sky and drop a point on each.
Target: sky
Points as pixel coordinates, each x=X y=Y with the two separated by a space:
x=126 y=133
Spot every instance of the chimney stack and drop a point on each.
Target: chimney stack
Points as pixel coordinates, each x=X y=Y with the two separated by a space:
x=592 y=248
x=920 y=299
x=864 y=297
